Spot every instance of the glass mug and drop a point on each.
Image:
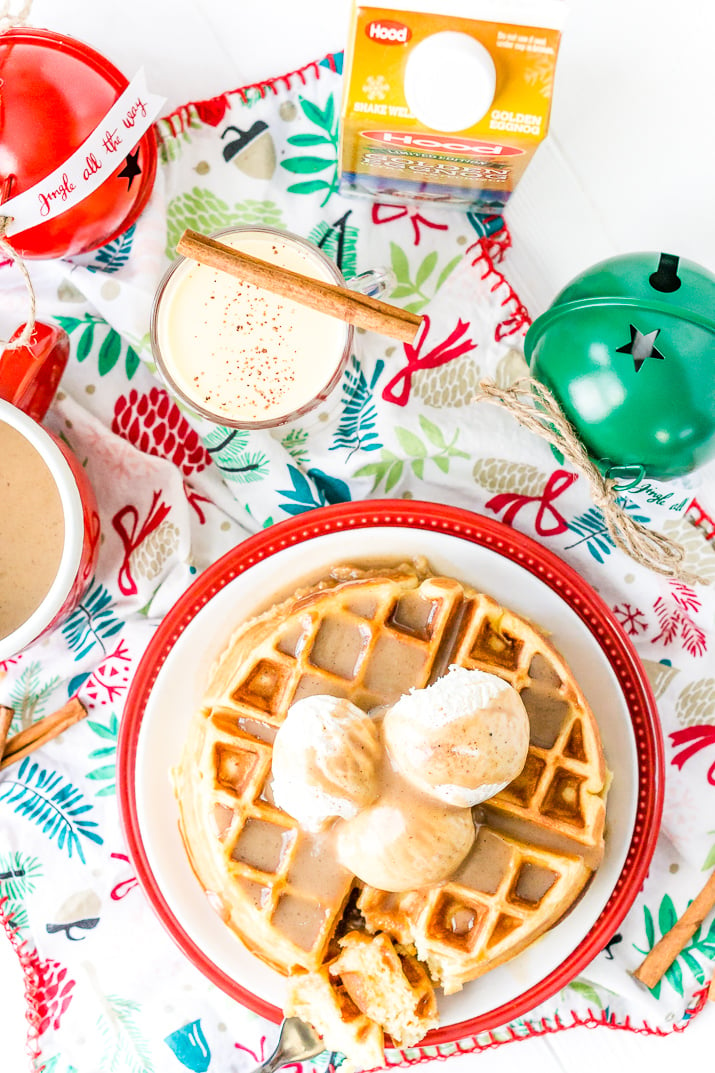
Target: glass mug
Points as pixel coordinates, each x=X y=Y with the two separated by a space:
x=49 y=522
x=241 y=356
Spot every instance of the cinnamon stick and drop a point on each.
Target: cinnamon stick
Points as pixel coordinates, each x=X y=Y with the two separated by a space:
x=6 y=715
x=39 y=733
x=351 y=306
x=665 y=951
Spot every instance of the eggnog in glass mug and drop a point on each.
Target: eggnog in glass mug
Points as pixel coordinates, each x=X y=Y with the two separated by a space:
x=241 y=356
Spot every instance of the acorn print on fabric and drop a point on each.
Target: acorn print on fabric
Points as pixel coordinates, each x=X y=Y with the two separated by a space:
x=252 y=151
x=78 y=915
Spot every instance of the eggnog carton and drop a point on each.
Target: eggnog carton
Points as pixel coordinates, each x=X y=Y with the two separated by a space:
x=443 y=104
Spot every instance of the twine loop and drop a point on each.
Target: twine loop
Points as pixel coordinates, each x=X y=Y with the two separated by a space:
x=19 y=18
x=536 y=409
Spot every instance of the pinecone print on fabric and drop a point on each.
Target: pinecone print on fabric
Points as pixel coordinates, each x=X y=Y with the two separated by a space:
x=454 y=384
x=265 y=213
x=155 y=425
x=199 y=209
x=660 y=675
x=498 y=475
x=696 y=704
x=148 y=559
x=699 y=553
x=510 y=368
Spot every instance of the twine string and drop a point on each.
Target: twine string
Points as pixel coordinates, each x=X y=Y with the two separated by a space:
x=28 y=330
x=9 y=19
x=536 y=409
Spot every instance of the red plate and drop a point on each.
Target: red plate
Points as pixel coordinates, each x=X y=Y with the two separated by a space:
x=487 y=552
x=55 y=91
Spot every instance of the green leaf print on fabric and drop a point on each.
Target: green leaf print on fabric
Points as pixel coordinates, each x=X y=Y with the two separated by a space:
x=107 y=755
x=18 y=872
x=296 y=444
x=30 y=695
x=584 y=990
x=390 y=467
x=110 y=349
x=710 y=859
x=407 y=286
x=302 y=496
x=326 y=120
x=339 y=242
x=114 y=255
x=701 y=945
x=229 y=450
x=124 y=1047
x=201 y=210
x=53 y=804
x=356 y=429
x=92 y=622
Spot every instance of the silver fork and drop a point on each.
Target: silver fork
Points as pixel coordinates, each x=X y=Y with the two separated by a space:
x=296 y=1042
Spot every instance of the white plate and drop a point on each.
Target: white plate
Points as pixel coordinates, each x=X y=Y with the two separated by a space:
x=519 y=574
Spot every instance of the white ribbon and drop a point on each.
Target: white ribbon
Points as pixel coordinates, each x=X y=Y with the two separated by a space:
x=97 y=158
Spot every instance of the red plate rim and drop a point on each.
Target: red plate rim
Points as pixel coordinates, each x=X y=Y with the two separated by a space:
x=529 y=555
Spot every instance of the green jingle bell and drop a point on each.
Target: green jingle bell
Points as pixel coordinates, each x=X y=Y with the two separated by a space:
x=628 y=351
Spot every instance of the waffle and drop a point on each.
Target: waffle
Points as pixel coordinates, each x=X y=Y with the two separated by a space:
x=368 y=989
x=370 y=637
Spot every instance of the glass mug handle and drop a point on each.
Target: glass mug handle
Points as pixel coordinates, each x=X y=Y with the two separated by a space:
x=29 y=375
x=375 y=283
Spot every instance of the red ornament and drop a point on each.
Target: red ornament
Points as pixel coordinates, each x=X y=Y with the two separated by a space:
x=55 y=92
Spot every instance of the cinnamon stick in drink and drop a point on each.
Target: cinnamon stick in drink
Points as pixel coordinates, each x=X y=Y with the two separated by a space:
x=351 y=306
x=664 y=953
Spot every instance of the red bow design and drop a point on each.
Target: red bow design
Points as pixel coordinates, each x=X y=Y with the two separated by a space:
x=446 y=351
x=397 y=212
x=557 y=483
x=694 y=739
x=133 y=535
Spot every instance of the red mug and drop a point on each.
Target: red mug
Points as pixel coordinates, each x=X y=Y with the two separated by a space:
x=49 y=521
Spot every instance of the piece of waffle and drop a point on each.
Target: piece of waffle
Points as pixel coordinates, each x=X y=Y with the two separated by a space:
x=369 y=989
x=370 y=639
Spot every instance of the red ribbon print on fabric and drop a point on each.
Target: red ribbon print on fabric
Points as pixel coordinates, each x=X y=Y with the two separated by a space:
x=133 y=534
x=557 y=483
x=449 y=349
x=386 y=214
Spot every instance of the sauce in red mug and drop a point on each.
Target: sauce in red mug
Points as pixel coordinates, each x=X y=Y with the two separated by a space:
x=49 y=522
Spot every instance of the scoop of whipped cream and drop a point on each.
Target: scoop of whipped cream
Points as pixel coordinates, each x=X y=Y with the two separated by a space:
x=399 y=843
x=460 y=740
x=325 y=761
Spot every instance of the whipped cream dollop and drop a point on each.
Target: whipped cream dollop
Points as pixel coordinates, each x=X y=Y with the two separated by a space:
x=460 y=740
x=325 y=761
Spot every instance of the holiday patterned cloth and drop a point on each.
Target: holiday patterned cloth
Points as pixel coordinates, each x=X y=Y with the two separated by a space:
x=106 y=988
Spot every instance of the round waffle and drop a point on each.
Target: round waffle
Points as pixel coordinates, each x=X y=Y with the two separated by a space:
x=370 y=636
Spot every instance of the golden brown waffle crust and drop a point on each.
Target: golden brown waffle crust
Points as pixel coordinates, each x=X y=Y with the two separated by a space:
x=430 y=623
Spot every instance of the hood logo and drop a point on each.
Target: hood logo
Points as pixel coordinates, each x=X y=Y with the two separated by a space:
x=388 y=32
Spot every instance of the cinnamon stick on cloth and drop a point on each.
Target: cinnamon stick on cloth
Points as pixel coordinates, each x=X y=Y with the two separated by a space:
x=340 y=302
x=33 y=737
x=667 y=949
x=6 y=715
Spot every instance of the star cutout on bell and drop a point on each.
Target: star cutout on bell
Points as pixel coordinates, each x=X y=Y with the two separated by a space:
x=641 y=346
x=131 y=168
